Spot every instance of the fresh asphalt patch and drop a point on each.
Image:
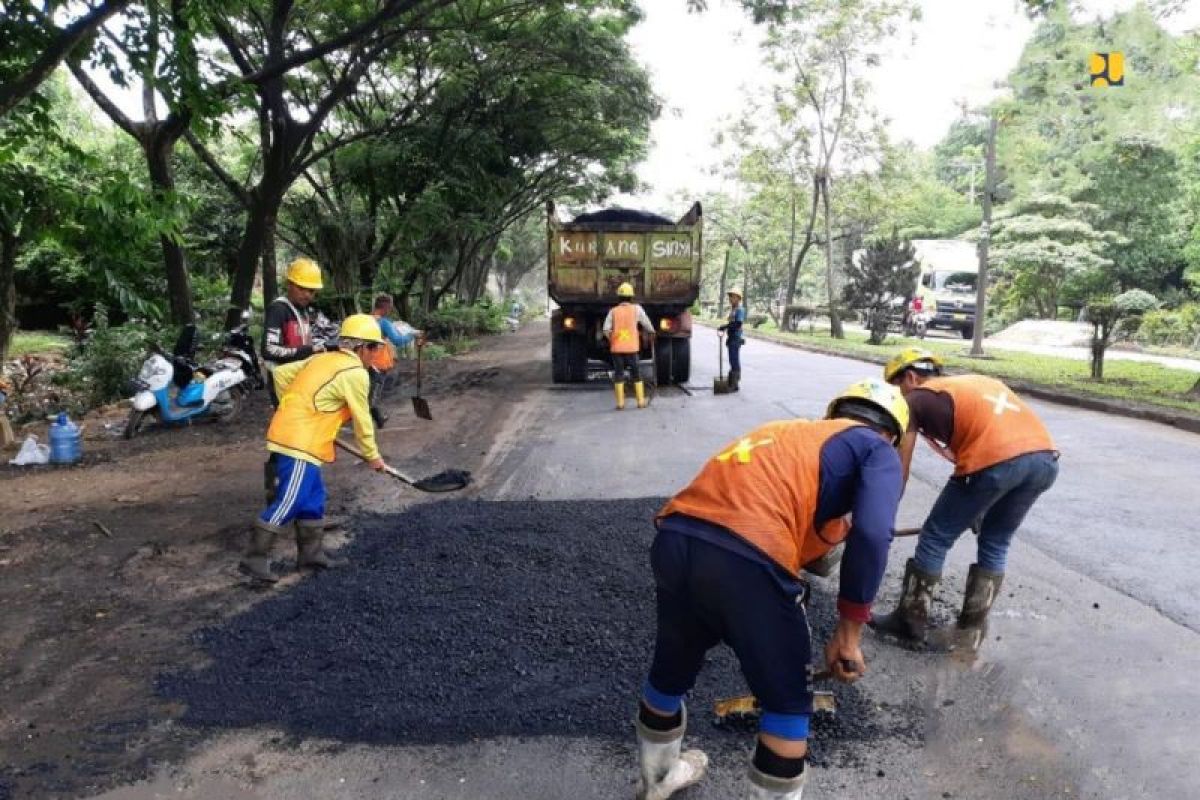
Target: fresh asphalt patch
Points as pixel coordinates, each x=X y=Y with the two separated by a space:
x=463 y=620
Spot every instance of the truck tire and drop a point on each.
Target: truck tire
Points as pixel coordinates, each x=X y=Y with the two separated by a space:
x=664 y=358
x=568 y=358
x=681 y=369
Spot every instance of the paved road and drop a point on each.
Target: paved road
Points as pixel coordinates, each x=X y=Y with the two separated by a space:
x=1086 y=687
x=1097 y=647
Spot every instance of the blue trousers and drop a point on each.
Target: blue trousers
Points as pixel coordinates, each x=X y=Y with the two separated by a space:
x=300 y=493
x=734 y=346
x=1000 y=496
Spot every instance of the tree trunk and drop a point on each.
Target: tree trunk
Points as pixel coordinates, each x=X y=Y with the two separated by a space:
x=158 y=150
x=270 y=270
x=798 y=262
x=981 y=279
x=8 y=292
x=835 y=320
x=262 y=211
x=724 y=279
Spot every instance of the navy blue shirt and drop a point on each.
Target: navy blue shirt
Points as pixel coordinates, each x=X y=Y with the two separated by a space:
x=860 y=475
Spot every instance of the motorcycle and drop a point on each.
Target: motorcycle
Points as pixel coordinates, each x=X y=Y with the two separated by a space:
x=216 y=390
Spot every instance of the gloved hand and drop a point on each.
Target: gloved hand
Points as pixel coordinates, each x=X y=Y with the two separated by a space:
x=723 y=328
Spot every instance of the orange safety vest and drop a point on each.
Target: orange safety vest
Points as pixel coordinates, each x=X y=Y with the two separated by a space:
x=991 y=424
x=383 y=357
x=624 y=337
x=763 y=487
x=298 y=424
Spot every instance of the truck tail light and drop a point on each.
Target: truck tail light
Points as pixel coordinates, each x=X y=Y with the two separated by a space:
x=569 y=323
x=666 y=324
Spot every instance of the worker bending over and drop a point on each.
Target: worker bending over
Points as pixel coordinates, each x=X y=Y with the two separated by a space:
x=1004 y=459
x=727 y=561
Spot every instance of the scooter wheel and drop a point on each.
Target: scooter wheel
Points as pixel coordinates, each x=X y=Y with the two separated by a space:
x=137 y=419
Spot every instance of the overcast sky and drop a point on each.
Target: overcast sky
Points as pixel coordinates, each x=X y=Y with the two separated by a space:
x=704 y=65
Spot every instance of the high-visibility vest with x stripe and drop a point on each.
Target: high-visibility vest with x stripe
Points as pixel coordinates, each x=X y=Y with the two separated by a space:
x=763 y=487
x=624 y=337
x=991 y=424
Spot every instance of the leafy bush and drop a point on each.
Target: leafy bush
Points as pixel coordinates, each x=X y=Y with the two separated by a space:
x=456 y=321
x=101 y=368
x=1178 y=328
x=1135 y=301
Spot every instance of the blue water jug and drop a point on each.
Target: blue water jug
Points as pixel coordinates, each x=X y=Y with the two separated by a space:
x=66 y=444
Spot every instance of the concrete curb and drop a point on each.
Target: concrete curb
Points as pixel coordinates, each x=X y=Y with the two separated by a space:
x=1144 y=411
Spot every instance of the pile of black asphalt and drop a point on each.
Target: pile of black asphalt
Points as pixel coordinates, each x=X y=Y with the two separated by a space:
x=463 y=620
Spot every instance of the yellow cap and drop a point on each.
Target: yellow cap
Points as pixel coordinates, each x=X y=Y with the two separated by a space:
x=305 y=273
x=869 y=394
x=361 y=326
x=912 y=357
x=625 y=290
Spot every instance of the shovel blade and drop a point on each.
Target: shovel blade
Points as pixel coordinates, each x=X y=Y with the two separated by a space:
x=421 y=408
x=720 y=386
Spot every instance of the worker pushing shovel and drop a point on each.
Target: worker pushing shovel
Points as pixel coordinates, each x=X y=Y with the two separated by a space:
x=316 y=397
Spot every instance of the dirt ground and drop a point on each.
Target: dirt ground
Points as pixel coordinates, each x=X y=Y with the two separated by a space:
x=107 y=569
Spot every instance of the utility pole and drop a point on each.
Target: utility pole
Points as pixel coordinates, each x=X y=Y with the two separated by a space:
x=981 y=281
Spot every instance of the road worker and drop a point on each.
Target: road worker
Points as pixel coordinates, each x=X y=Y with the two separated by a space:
x=316 y=397
x=734 y=338
x=1004 y=459
x=727 y=561
x=621 y=327
x=292 y=325
x=396 y=337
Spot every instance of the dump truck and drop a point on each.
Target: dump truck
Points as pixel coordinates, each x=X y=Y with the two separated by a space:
x=592 y=255
x=946 y=285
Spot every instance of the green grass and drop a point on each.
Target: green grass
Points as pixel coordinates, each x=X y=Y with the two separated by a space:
x=1123 y=380
x=26 y=342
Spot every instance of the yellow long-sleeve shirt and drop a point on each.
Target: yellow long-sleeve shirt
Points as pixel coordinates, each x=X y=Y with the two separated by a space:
x=348 y=389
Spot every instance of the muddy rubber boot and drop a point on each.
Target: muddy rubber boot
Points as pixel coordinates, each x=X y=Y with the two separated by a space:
x=310 y=548
x=982 y=588
x=911 y=617
x=666 y=767
x=735 y=375
x=639 y=391
x=619 y=390
x=769 y=787
x=257 y=561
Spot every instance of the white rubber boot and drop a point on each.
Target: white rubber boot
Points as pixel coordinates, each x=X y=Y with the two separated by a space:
x=666 y=767
x=768 y=787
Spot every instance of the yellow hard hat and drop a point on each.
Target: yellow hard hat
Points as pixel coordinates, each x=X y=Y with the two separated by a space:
x=361 y=326
x=735 y=290
x=912 y=357
x=625 y=290
x=875 y=402
x=305 y=273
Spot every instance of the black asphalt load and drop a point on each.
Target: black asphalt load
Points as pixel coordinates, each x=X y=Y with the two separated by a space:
x=463 y=620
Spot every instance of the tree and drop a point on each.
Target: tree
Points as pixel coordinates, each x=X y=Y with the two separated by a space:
x=32 y=44
x=1107 y=314
x=879 y=279
x=1041 y=243
x=823 y=48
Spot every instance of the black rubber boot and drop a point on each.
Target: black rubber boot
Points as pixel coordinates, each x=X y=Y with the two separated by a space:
x=735 y=377
x=982 y=588
x=310 y=547
x=911 y=618
x=257 y=561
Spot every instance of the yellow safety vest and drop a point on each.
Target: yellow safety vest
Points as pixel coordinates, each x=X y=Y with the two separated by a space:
x=298 y=424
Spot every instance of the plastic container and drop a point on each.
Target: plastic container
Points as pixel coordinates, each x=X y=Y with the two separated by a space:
x=66 y=443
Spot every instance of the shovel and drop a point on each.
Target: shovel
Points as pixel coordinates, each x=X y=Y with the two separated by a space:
x=420 y=404
x=720 y=383
x=450 y=480
x=745 y=707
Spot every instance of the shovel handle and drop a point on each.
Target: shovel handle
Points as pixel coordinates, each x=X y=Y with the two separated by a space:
x=354 y=451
